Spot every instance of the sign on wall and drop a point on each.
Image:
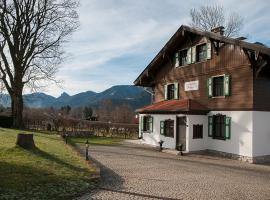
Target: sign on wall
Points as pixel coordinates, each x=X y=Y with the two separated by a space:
x=192 y=85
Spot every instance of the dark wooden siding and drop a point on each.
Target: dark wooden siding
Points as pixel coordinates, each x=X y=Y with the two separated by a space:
x=230 y=60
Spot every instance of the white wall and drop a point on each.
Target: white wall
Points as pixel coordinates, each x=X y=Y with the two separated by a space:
x=241 y=134
x=197 y=144
x=261 y=133
x=154 y=137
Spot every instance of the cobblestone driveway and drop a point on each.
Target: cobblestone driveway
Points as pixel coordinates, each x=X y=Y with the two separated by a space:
x=133 y=172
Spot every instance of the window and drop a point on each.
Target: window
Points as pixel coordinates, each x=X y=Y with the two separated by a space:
x=167 y=128
x=147 y=123
x=218 y=86
x=197 y=131
x=183 y=57
x=171 y=91
x=201 y=52
x=219 y=127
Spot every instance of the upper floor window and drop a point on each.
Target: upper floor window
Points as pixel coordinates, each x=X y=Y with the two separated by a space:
x=219 y=127
x=183 y=59
x=201 y=52
x=171 y=91
x=219 y=86
x=167 y=128
x=193 y=54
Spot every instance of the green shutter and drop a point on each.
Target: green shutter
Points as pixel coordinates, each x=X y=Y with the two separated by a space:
x=176 y=59
x=227 y=85
x=228 y=127
x=210 y=126
x=161 y=127
x=210 y=87
x=208 y=45
x=165 y=92
x=193 y=54
x=176 y=91
x=189 y=56
x=151 y=123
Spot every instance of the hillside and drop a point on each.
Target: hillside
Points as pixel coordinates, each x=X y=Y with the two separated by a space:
x=133 y=96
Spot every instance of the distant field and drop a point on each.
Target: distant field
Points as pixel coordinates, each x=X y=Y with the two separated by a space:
x=51 y=171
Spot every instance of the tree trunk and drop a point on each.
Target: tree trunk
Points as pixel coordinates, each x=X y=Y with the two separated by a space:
x=17 y=109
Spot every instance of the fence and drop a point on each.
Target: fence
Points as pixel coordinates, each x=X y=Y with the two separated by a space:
x=84 y=128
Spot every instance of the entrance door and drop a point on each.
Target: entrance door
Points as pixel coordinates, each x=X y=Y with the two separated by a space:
x=181 y=133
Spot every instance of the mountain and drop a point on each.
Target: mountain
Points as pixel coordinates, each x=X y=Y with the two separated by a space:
x=133 y=96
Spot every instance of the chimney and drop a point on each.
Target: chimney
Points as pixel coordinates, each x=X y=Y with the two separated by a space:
x=218 y=30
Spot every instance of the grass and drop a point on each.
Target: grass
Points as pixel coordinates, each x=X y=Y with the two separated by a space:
x=96 y=140
x=50 y=171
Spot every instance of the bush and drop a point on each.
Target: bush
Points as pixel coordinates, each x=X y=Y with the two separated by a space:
x=6 y=121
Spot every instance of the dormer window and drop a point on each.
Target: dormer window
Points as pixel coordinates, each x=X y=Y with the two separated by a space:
x=171 y=91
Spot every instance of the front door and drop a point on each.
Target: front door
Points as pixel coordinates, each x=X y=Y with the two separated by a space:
x=181 y=133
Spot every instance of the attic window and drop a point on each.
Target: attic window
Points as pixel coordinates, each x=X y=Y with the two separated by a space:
x=201 y=52
x=183 y=57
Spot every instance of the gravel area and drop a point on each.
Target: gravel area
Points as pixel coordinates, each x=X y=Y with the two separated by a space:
x=130 y=171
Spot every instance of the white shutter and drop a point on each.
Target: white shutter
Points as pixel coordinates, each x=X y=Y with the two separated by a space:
x=189 y=56
x=227 y=85
x=193 y=54
x=209 y=52
x=176 y=91
x=176 y=59
x=166 y=92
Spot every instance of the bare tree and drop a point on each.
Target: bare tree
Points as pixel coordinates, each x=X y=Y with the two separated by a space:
x=210 y=17
x=32 y=33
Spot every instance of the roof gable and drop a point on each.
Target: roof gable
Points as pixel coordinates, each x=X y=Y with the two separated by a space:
x=185 y=30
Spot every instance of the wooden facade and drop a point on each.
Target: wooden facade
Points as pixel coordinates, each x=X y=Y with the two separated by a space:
x=248 y=92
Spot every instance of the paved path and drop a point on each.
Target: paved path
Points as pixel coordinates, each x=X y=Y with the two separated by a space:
x=132 y=172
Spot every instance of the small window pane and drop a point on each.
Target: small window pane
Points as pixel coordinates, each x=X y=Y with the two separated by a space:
x=197 y=131
x=183 y=57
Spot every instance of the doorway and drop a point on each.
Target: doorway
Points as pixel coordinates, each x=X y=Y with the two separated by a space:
x=181 y=126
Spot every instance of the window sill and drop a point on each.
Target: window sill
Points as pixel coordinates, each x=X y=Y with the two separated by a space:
x=219 y=138
x=219 y=97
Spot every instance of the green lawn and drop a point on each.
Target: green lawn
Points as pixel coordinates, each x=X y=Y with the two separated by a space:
x=96 y=140
x=51 y=171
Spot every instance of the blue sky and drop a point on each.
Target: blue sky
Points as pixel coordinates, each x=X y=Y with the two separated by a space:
x=118 y=38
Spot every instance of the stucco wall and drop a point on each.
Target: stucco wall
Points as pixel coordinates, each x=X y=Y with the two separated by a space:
x=261 y=133
x=240 y=142
x=197 y=144
x=241 y=134
x=154 y=137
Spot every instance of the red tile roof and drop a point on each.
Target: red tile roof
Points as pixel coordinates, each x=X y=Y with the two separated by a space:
x=175 y=106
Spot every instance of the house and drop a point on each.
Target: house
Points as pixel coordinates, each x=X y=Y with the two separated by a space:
x=210 y=92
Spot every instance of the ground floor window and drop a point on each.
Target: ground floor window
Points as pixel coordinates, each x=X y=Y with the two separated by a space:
x=147 y=123
x=197 y=131
x=167 y=128
x=219 y=127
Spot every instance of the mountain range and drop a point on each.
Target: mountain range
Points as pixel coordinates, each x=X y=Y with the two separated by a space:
x=130 y=95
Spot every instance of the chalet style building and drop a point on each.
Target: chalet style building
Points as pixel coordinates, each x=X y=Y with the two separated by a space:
x=210 y=92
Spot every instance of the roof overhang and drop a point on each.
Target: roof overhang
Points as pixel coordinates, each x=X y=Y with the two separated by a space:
x=184 y=106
